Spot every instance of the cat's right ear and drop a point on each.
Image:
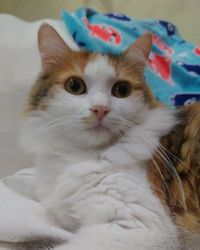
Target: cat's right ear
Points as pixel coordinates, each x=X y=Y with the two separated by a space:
x=51 y=46
x=143 y=44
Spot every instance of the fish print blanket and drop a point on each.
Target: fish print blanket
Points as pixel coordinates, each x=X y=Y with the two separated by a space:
x=173 y=68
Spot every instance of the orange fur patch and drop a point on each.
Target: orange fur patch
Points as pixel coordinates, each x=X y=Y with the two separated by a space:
x=180 y=190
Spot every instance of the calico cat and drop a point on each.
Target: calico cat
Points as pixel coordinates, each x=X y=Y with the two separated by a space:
x=98 y=133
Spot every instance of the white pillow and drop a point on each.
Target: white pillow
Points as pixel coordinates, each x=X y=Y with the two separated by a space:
x=19 y=67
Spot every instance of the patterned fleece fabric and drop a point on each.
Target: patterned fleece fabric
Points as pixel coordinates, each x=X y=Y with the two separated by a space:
x=173 y=68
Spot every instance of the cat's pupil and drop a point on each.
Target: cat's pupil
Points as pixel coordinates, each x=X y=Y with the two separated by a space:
x=122 y=89
x=75 y=85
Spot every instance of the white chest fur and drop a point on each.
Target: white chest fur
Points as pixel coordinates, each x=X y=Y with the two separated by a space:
x=95 y=194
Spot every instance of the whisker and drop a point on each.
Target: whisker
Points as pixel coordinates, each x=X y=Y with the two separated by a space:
x=178 y=160
x=162 y=177
x=171 y=168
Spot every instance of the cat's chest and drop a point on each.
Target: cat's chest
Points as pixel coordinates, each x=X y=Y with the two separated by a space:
x=108 y=195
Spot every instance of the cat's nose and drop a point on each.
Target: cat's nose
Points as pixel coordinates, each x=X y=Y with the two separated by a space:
x=100 y=111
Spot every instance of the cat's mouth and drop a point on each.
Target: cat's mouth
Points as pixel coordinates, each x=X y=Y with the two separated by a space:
x=98 y=128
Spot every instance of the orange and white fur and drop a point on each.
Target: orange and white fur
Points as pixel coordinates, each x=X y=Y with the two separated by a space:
x=87 y=120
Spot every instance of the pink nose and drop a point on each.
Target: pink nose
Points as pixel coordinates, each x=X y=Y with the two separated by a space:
x=100 y=111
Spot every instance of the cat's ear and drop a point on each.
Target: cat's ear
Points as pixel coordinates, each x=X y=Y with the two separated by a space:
x=142 y=44
x=51 y=46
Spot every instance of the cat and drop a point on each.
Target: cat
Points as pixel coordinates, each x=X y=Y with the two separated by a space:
x=95 y=129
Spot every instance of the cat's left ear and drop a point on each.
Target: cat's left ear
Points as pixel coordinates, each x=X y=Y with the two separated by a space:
x=52 y=47
x=142 y=44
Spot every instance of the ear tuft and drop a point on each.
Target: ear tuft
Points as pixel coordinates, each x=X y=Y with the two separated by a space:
x=143 y=44
x=51 y=45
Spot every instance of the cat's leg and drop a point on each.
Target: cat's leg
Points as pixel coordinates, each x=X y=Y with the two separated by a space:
x=69 y=190
x=59 y=210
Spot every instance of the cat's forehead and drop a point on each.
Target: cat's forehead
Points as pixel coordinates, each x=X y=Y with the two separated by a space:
x=94 y=66
x=113 y=67
x=99 y=66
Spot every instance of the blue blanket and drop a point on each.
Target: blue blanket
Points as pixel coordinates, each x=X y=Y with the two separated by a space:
x=173 y=70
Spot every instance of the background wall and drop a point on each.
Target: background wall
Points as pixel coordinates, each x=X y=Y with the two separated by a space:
x=184 y=13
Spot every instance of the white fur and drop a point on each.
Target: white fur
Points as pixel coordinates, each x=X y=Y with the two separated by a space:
x=93 y=183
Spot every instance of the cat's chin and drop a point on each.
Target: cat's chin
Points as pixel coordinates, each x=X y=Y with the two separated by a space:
x=98 y=135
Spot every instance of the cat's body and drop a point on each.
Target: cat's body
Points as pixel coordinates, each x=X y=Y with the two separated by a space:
x=94 y=127
x=178 y=158
x=107 y=196
x=106 y=200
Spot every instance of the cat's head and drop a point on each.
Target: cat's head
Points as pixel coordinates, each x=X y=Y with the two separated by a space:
x=87 y=99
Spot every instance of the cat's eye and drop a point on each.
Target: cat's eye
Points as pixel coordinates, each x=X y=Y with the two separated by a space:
x=121 y=89
x=75 y=86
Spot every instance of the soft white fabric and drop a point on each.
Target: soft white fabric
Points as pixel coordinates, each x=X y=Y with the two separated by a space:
x=21 y=216
x=19 y=67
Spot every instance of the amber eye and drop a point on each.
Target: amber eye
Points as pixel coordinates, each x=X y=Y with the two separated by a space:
x=121 y=89
x=75 y=86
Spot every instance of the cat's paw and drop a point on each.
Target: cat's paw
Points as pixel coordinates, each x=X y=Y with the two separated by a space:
x=62 y=215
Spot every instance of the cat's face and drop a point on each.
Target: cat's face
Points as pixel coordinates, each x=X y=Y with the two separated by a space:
x=86 y=98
